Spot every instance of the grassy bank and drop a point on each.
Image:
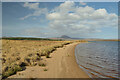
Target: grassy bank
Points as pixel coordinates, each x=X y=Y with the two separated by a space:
x=16 y=54
x=25 y=38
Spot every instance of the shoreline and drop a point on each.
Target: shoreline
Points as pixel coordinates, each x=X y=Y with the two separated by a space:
x=77 y=61
x=61 y=64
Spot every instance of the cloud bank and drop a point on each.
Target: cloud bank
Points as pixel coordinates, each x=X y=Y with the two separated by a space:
x=72 y=20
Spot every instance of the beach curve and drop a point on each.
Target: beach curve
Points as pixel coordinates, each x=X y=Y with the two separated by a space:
x=62 y=64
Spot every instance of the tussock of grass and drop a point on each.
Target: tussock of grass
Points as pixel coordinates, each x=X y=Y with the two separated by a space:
x=68 y=55
x=42 y=64
x=31 y=60
x=32 y=79
x=10 y=70
x=47 y=55
x=45 y=69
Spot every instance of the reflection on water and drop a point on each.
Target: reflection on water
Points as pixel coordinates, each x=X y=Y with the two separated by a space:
x=99 y=59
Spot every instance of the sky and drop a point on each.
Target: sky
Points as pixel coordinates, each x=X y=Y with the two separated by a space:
x=59 y=0
x=53 y=19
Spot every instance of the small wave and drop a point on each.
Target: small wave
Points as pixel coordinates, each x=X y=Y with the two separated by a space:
x=99 y=59
x=110 y=70
x=97 y=72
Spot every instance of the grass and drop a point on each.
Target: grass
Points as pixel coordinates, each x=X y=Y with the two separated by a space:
x=20 y=53
x=42 y=64
x=32 y=78
x=68 y=55
x=10 y=70
x=28 y=38
x=45 y=69
x=47 y=55
x=17 y=53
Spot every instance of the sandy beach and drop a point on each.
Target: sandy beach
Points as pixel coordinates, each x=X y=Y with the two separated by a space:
x=61 y=64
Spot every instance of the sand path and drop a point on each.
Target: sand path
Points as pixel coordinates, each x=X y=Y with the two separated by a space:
x=62 y=64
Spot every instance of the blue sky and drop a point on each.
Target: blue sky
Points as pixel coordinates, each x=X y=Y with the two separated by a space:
x=53 y=19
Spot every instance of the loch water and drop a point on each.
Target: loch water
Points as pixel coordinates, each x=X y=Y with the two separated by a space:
x=99 y=59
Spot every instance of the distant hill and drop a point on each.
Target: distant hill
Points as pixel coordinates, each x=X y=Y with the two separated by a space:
x=65 y=36
x=69 y=38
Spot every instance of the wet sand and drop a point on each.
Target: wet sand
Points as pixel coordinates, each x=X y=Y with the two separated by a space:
x=62 y=64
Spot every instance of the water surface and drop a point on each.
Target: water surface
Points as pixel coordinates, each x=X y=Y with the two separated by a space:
x=99 y=59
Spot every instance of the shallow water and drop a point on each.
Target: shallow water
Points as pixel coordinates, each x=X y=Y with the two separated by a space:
x=99 y=59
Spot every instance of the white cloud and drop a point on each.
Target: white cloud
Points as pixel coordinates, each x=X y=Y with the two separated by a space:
x=76 y=21
x=37 y=11
x=31 y=5
x=73 y=20
x=53 y=16
x=82 y=3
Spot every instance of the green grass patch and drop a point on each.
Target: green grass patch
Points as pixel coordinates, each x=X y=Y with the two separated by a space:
x=42 y=64
x=28 y=38
x=10 y=70
x=45 y=69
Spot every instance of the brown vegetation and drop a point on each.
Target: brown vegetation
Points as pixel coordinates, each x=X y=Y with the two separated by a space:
x=16 y=54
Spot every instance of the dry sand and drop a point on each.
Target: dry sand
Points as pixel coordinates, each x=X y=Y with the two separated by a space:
x=62 y=64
